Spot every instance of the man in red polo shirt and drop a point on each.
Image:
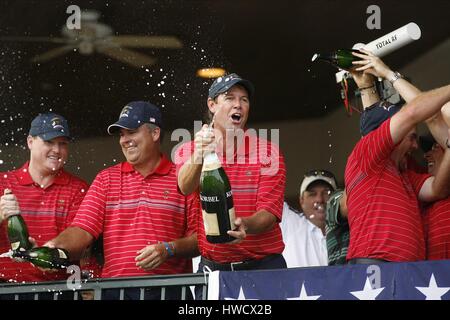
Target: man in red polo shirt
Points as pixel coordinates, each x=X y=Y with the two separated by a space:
x=437 y=215
x=383 y=212
x=257 y=175
x=145 y=221
x=44 y=194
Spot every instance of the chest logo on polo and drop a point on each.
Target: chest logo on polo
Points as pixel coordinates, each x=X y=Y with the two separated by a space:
x=166 y=194
x=61 y=204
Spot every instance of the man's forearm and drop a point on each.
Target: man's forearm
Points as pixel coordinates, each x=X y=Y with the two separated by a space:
x=441 y=183
x=406 y=90
x=438 y=129
x=428 y=103
x=74 y=240
x=260 y=222
x=189 y=176
x=186 y=247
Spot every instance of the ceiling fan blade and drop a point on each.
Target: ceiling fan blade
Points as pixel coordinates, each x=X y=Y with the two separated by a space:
x=34 y=39
x=130 y=57
x=53 y=53
x=167 y=42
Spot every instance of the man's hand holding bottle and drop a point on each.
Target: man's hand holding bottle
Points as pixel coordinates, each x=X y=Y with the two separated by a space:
x=371 y=64
x=204 y=142
x=8 y=205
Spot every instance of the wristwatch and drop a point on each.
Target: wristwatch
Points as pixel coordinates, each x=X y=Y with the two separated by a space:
x=397 y=75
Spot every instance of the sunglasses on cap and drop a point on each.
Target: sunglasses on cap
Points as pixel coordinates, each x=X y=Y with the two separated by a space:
x=323 y=173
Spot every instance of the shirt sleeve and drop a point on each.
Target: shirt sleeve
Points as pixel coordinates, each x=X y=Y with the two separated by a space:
x=417 y=180
x=91 y=213
x=272 y=183
x=333 y=207
x=372 y=150
x=75 y=202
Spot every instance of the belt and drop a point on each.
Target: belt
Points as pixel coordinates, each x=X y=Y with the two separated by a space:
x=241 y=265
x=366 y=261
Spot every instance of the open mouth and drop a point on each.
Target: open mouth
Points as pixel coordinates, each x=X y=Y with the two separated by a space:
x=54 y=158
x=236 y=117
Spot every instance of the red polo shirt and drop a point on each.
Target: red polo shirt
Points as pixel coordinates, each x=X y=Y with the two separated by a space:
x=257 y=176
x=383 y=211
x=133 y=212
x=46 y=212
x=437 y=222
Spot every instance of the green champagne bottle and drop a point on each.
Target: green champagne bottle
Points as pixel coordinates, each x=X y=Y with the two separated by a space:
x=45 y=257
x=217 y=201
x=341 y=58
x=17 y=231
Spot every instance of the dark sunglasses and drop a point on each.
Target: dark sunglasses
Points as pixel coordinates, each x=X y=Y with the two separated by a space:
x=323 y=173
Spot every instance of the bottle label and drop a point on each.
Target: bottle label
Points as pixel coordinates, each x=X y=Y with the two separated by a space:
x=232 y=218
x=15 y=245
x=211 y=162
x=211 y=166
x=62 y=254
x=209 y=199
x=211 y=223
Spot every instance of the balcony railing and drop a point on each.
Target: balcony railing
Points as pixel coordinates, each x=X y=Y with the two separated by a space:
x=183 y=281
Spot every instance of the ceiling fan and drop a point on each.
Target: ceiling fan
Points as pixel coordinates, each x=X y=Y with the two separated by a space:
x=94 y=36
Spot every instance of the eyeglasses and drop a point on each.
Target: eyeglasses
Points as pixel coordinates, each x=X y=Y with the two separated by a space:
x=324 y=173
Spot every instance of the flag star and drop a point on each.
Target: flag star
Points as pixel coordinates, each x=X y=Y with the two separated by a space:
x=368 y=293
x=433 y=292
x=304 y=295
x=241 y=296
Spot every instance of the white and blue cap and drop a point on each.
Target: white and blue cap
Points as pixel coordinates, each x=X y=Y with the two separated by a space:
x=135 y=114
x=48 y=126
x=224 y=83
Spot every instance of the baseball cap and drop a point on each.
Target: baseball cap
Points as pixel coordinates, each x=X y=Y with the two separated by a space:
x=373 y=116
x=426 y=142
x=48 y=126
x=316 y=175
x=135 y=114
x=224 y=83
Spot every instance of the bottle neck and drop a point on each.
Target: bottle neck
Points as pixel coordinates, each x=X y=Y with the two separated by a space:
x=211 y=158
x=211 y=162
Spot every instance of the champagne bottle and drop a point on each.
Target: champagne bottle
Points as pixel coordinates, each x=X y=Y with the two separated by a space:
x=45 y=257
x=17 y=231
x=217 y=201
x=341 y=58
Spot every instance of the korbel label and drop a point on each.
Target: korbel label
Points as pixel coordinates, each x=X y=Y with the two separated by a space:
x=209 y=198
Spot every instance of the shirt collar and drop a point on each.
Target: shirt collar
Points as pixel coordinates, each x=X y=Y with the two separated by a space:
x=163 y=168
x=24 y=177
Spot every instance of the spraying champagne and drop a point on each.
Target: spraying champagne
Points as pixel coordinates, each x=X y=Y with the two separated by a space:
x=388 y=43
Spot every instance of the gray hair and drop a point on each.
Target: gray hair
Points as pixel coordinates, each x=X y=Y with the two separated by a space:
x=152 y=127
